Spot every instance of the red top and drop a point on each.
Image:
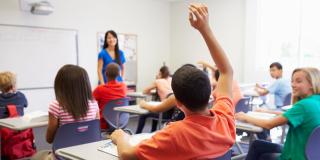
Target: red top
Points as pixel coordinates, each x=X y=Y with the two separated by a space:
x=110 y=91
x=195 y=137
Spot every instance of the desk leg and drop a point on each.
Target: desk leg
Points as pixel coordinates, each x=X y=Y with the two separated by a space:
x=251 y=138
x=160 y=120
x=283 y=133
x=118 y=118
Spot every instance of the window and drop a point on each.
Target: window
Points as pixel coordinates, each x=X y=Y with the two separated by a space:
x=289 y=33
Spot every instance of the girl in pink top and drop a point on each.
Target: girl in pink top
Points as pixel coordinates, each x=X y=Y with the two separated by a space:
x=164 y=90
x=162 y=84
x=74 y=103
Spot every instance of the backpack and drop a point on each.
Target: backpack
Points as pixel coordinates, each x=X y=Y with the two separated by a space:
x=16 y=144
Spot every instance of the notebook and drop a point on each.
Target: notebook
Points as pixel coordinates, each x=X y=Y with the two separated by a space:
x=111 y=148
x=37 y=116
x=261 y=115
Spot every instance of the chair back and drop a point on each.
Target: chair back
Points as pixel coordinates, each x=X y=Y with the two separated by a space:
x=243 y=105
x=76 y=133
x=287 y=100
x=110 y=116
x=4 y=112
x=226 y=156
x=313 y=145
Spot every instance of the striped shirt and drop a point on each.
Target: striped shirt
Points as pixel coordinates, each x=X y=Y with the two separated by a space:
x=64 y=117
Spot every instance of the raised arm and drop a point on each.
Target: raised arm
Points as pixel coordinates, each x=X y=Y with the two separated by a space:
x=217 y=53
x=206 y=64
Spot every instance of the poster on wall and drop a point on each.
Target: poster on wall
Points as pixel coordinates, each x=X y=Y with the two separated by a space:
x=128 y=44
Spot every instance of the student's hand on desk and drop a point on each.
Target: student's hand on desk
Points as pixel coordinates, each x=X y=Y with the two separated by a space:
x=260 y=110
x=241 y=116
x=117 y=135
x=256 y=89
x=202 y=16
x=143 y=104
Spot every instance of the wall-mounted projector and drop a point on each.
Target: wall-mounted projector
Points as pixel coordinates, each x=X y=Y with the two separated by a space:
x=43 y=7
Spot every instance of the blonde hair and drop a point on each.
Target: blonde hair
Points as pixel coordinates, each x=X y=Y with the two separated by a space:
x=7 y=80
x=313 y=76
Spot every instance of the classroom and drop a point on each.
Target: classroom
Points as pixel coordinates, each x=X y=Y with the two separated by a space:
x=271 y=68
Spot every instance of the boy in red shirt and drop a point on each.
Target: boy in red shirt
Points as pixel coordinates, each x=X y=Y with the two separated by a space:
x=204 y=133
x=110 y=91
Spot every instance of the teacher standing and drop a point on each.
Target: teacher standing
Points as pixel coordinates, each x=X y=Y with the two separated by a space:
x=110 y=53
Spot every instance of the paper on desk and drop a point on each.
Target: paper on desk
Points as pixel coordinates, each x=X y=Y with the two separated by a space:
x=111 y=148
x=261 y=115
x=154 y=103
x=37 y=116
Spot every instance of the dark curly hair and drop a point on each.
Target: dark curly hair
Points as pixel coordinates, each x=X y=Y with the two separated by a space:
x=191 y=87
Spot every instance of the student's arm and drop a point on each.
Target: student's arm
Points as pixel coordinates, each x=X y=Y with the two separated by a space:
x=122 y=71
x=266 y=124
x=261 y=91
x=125 y=150
x=206 y=64
x=148 y=89
x=269 y=111
x=52 y=128
x=164 y=106
x=100 y=65
x=97 y=115
x=217 y=53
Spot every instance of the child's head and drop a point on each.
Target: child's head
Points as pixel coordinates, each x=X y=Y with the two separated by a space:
x=112 y=71
x=72 y=89
x=305 y=82
x=164 y=72
x=276 y=70
x=8 y=82
x=192 y=88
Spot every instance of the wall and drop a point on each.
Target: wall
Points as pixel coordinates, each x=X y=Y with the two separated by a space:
x=149 y=19
x=227 y=20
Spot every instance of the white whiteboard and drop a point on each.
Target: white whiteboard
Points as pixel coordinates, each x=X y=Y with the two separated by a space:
x=36 y=54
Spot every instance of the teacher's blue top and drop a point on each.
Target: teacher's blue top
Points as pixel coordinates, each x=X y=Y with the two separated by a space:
x=104 y=55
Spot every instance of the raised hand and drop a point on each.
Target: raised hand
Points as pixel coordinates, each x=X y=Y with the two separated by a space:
x=202 y=16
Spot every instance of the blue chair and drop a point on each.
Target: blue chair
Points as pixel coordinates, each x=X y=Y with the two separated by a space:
x=243 y=105
x=226 y=156
x=72 y=134
x=313 y=145
x=4 y=112
x=287 y=100
x=110 y=115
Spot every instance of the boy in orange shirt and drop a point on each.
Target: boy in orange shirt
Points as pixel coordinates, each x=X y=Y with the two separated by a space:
x=110 y=91
x=204 y=133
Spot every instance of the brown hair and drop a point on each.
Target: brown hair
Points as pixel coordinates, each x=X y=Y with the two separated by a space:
x=313 y=76
x=73 y=91
x=7 y=80
x=112 y=70
x=165 y=73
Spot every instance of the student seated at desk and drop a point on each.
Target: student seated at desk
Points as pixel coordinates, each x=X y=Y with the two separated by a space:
x=110 y=91
x=280 y=88
x=164 y=90
x=237 y=93
x=74 y=103
x=302 y=119
x=169 y=105
x=8 y=87
x=203 y=133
